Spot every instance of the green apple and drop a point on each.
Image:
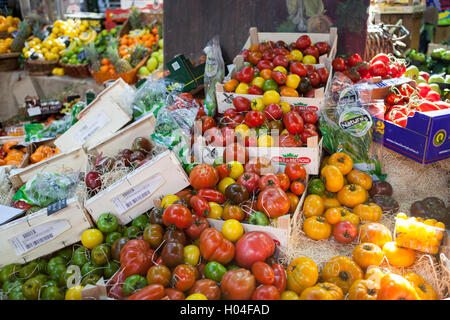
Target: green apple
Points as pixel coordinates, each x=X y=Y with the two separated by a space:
x=421 y=79
x=436 y=53
x=445 y=55
x=412 y=72
x=154 y=54
x=435 y=87
x=160 y=58
x=143 y=71
x=436 y=78
x=161 y=43
x=152 y=64
x=419 y=56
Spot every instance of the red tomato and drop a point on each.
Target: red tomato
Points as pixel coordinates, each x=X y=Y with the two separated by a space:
x=293 y=122
x=263 y=273
x=298 y=68
x=297 y=188
x=237 y=284
x=266 y=292
x=254 y=57
x=214 y=137
x=381 y=57
x=285 y=182
x=214 y=247
x=433 y=96
x=247 y=74
x=378 y=69
x=268 y=55
x=178 y=215
x=314 y=79
x=241 y=104
x=345 y=232
x=203 y=176
x=250 y=181
x=295 y=171
x=183 y=277
x=254 y=118
x=174 y=294
x=279 y=78
x=364 y=69
x=200 y=205
x=310 y=126
x=338 y=64
x=151 y=292
x=235 y=152
x=324 y=48
x=290 y=140
x=211 y=195
x=309 y=116
x=252 y=247
x=207 y=123
x=136 y=258
x=313 y=51
x=260 y=166
x=280 y=61
x=307 y=133
x=354 y=59
x=269 y=180
x=274 y=202
x=228 y=135
x=394 y=99
x=280 y=277
x=280 y=51
x=251 y=141
x=255 y=90
x=223 y=170
x=245 y=54
x=323 y=74
x=273 y=112
x=424 y=88
x=206 y=287
x=303 y=42
x=199 y=224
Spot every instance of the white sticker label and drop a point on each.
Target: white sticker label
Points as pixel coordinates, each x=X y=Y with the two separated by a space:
x=91 y=127
x=38 y=236
x=175 y=66
x=34 y=111
x=135 y=195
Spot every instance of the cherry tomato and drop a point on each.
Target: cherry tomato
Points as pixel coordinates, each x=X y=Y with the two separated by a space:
x=338 y=64
x=293 y=122
x=354 y=59
x=297 y=188
x=250 y=181
x=303 y=42
x=254 y=118
x=309 y=116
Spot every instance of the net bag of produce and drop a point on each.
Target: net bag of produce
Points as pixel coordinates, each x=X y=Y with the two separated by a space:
x=214 y=73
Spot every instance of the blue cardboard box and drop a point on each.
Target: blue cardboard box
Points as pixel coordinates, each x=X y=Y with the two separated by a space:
x=425 y=138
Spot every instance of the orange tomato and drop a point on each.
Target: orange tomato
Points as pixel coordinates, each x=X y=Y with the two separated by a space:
x=254 y=48
x=397 y=256
x=266 y=74
x=363 y=290
x=375 y=232
x=332 y=289
x=231 y=85
x=289 y=92
x=367 y=254
x=395 y=287
x=424 y=290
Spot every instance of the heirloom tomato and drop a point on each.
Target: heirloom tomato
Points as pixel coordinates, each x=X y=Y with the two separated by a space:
x=252 y=247
x=335 y=292
x=361 y=178
x=274 y=202
x=315 y=293
x=266 y=292
x=376 y=233
x=424 y=290
x=151 y=292
x=207 y=287
x=345 y=232
x=317 y=228
x=342 y=271
x=159 y=274
x=293 y=122
x=397 y=256
x=263 y=273
x=214 y=247
x=136 y=257
x=295 y=171
x=177 y=215
x=238 y=284
x=199 y=223
x=333 y=178
x=203 y=176
x=363 y=290
x=395 y=287
x=268 y=180
x=367 y=254
x=313 y=206
x=368 y=212
x=250 y=181
x=342 y=161
x=302 y=273
x=351 y=195
x=183 y=277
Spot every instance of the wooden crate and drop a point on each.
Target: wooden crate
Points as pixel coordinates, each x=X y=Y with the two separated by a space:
x=100 y=119
x=133 y=195
x=110 y=146
x=73 y=160
x=59 y=230
x=308 y=156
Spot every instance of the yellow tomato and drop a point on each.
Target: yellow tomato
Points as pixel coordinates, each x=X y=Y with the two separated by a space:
x=237 y=169
x=224 y=183
x=264 y=141
x=257 y=104
x=297 y=55
x=289 y=295
x=91 y=238
x=197 y=296
x=216 y=210
x=397 y=256
x=191 y=255
x=232 y=230
x=284 y=132
x=168 y=200
x=293 y=81
x=242 y=130
x=334 y=180
x=242 y=88
x=313 y=206
x=281 y=69
x=270 y=96
x=74 y=293
x=286 y=107
x=258 y=81
x=309 y=59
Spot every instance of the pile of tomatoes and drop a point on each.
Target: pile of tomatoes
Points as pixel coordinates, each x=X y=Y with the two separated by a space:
x=403 y=101
x=380 y=66
x=279 y=67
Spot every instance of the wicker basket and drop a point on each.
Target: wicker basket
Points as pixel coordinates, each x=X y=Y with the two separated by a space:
x=129 y=77
x=9 y=61
x=76 y=70
x=380 y=40
x=146 y=18
x=40 y=67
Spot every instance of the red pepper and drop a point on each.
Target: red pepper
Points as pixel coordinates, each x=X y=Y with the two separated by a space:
x=211 y=195
x=151 y=292
x=136 y=258
x=200 y=206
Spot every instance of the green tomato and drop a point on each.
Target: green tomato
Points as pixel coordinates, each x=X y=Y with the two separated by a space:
x=161 y=43
x=90 y=279
x=9 y=272
x=91 y=268
x=54 y=262
x=11 y=284
x=107 y=223
x=189 y=167
x=16 y=294
x=121 y=228
x=233 y=267
x=66 y=253
x=113 y=31
x=42 y=265
x=42 y=277
x=29 y=270
x=140 y=222
x=270 y=85
x=132 y=232
x=62 y=281
x=52 y=293
x=419 y=56
x=258 y=218
x=57 y=272
x=31 y=288
x=214 y=271
x=80 y=256
x=51 y=283
x=110 y=269
x=111 y=237
x=316 y=186
x=101 y=254
x=133 y=284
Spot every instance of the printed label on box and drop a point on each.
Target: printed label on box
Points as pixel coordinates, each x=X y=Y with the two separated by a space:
x=135 y=195
x=34 y=111
x=91 y=127
x=38 y=236
x=175 y=66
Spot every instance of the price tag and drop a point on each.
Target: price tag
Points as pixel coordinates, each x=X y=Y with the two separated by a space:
x=34 y=111
x=135 y=195
x=90 y=127
x=38 y=236
x=56 y=206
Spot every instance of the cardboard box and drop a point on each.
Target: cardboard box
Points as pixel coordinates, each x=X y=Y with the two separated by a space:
x=40 y=234
x=308 y=156
x=100 y=119
x=425 y=138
